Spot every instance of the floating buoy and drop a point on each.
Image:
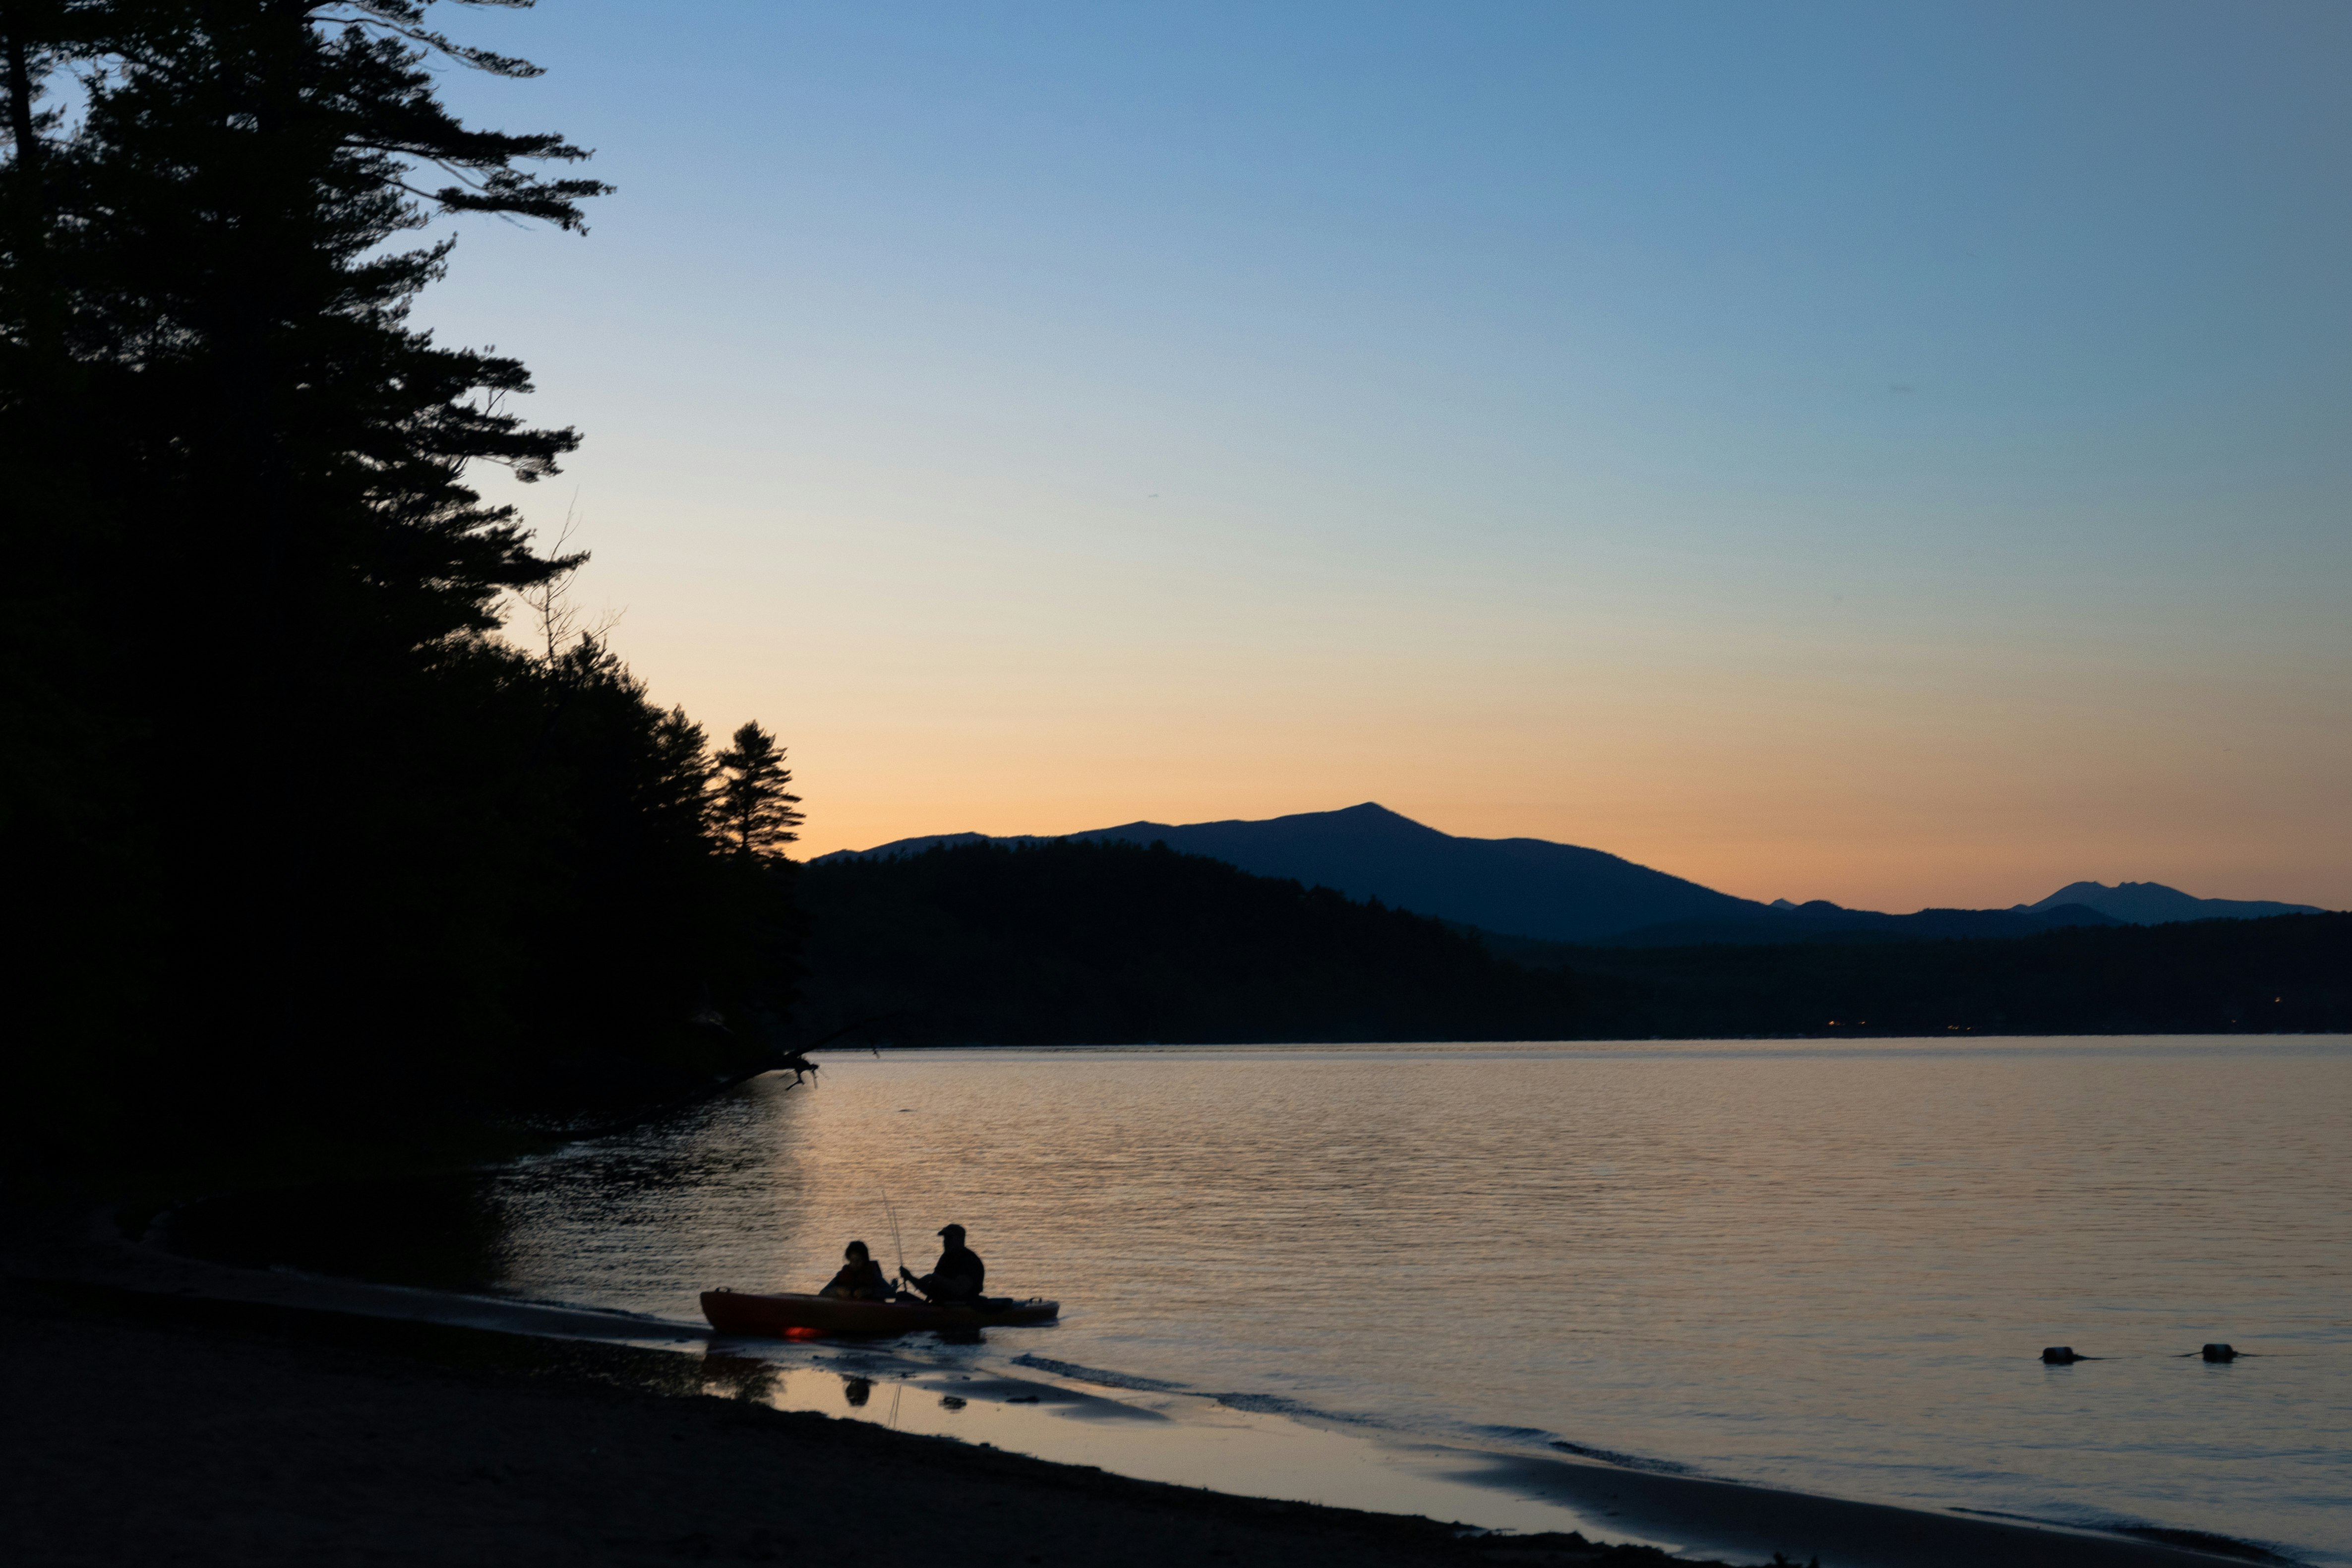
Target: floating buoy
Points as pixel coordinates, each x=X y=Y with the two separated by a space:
x=2060 y=1355
x=2219 y=1352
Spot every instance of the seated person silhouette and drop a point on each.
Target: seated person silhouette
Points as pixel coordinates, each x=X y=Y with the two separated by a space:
x=860 y=1280
x=956 y=1278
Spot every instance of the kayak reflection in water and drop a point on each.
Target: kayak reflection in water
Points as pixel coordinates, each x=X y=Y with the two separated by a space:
x=860 y=1280
x=957 y=1276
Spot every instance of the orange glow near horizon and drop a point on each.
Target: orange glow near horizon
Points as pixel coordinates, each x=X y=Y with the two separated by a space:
x=1887 y=760
x=1961 y=804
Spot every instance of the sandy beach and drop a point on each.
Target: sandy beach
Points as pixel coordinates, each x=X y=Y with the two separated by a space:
x=234 y=1438
x=169 y=1409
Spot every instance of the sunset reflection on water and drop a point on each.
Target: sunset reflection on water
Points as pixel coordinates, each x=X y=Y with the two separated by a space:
x=1827 y=1265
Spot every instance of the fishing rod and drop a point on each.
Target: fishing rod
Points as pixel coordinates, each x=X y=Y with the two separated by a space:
x=898 y=1246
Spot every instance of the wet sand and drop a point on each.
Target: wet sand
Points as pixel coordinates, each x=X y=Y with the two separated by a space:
x=166 y=1409
x=227 y=1439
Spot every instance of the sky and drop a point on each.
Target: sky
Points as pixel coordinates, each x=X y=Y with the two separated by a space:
x=1899 y=455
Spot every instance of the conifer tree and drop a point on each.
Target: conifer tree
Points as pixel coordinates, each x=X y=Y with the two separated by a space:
x=248 y=164
x=296 y=815
x=754 y=807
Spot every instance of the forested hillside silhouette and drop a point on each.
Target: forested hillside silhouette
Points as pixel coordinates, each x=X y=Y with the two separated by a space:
x=1067 y=942
x=2287 y=974
x=300 y=840
x=1064 y=941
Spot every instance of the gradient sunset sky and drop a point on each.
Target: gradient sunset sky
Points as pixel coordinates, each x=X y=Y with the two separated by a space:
x=1896 y=454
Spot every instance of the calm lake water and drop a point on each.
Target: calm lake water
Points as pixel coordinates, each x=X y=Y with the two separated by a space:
x=1824 y=1266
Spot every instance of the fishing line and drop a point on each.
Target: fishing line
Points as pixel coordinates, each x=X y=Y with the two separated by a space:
x=895 y=1244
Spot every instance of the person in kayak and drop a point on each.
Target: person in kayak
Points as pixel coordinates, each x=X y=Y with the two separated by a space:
x=860 y=1280
x=957 y=1276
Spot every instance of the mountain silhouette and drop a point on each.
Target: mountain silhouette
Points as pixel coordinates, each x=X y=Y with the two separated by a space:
x=1523 y=886
x=2153 y=903
x=1532 y=892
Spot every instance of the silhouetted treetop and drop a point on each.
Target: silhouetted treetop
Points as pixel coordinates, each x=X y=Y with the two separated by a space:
x=217 y=226
x=754 y=808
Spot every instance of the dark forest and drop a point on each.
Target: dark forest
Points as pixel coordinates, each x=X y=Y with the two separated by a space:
x=315 y=801
x=1111 y=944
x=1068 y=943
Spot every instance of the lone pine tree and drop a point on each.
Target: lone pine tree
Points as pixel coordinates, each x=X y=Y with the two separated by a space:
x=754 y=807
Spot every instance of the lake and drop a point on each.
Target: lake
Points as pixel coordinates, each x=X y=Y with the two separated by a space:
x=1826 y=1265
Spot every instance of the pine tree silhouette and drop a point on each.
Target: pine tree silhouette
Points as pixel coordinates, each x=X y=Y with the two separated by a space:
x=391 y=848
x=754 y=807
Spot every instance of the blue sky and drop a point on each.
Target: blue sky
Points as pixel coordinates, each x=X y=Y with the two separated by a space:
x=1890 y=454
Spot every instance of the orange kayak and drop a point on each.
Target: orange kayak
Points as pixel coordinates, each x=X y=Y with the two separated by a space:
x=795 y=1316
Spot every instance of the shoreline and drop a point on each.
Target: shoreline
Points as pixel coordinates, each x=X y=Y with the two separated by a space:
x=237 y=1435
x=1817 y=1038
x=96 y=1278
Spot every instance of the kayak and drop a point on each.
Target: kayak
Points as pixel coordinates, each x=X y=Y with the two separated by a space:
x=789 y=1316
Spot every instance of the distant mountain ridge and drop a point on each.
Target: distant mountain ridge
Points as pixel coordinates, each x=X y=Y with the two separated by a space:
x=2153 y=903
x=1531 y=891
x=1526 y=887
